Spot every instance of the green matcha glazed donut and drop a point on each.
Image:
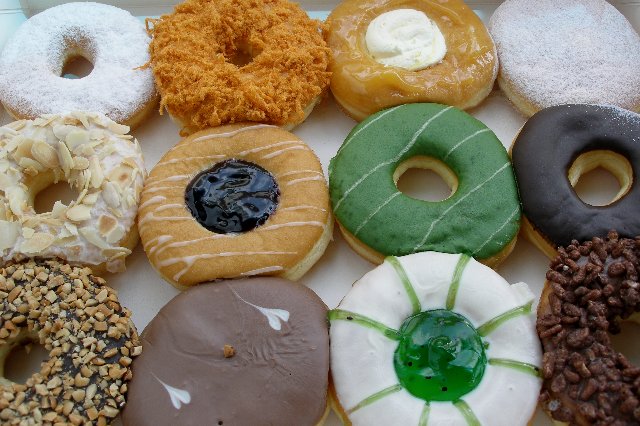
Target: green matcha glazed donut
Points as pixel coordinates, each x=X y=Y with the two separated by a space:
x=482 y=216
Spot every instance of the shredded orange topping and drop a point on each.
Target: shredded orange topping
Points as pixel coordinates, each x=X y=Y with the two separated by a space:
x=193 y=52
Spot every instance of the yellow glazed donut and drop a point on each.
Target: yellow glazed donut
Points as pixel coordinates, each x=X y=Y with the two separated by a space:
x=232 y=201
x=437 y=52
x=99 y=160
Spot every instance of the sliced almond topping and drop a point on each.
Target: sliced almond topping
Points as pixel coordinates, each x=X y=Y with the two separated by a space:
x=58 y=209
x=97 y=175
x=71 y=228
x=119 y=129
x=76 y=138
x=28 y=163
x=37 y=243
x=82 y=117
x=115 y=234
x=79 y=213
x=45 y=154
x=111 y=194
x=27 y=232
x=92 y=236
x=90 y=198
x=80 y=163
x=9 y=232
x=121 y=175
x=64 y=157
x=115 y=252
x=23 y=149
x=106 y=224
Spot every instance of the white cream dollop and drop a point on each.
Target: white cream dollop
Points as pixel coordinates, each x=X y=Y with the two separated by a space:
x=405 y=38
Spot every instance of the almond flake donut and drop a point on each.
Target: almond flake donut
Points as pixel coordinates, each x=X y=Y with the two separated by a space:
x=435 y=338
x=111 y=39
x=98 y=159
x=232 y=201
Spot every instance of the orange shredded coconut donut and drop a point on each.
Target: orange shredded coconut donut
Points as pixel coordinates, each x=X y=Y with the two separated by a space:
x=195 y=55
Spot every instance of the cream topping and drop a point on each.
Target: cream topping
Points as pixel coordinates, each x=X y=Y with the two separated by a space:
x=405 y=38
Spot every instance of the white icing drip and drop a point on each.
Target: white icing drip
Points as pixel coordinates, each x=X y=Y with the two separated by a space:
x=471 y=136
x=264 y=270
x=162 y=188
x=357 y=132
x=375 y=212
x=178 y=396
x=190 y=242
x=159 y=241
x=297 y=172
x=232 y=133
x=393 y=160
x=282 y=151
x=176 y=178
x=265 y=147
x=304 y=207
x=187 y=159
x=153 y=200
x=506 y=222
x=452 y=206
x=152 y=217
x=274 y=316
x=308 y=179
x=190 y=260
x=290 y=224
x=114 y=41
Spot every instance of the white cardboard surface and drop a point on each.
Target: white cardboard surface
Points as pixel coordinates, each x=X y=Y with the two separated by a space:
x=144 y=292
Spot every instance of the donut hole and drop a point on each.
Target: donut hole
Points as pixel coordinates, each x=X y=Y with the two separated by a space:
x=76 y=67
x=600 y=177
x=46 y=198
x=21 y=358
x=242 y=55
x=425 y=178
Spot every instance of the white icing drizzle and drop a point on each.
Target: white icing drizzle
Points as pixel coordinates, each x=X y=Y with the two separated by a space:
x=187 y=159
x=159 y=241
x=149 y=217
x=232 y=133
x=265 y=147
x=357 y=132
x=471 y=136
x=393 y=160
x=290 y=224
x=375 y=212
x=153 y=200
x=176 y=178
x=274 y=316
x=161 y=188
x=506 y=222
x=189 y=242
x=282 y=151
x=264 y=270
x=297 y=172
x=452 y=206
x=304 y=207
x=307 y=179
x=178 y=396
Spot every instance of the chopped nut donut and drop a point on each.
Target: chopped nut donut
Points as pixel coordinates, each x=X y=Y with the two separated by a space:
x=90 y=338
x=590 y=287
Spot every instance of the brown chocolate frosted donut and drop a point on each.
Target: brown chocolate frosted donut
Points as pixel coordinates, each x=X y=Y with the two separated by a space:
x=246 y=352
x=590 y=287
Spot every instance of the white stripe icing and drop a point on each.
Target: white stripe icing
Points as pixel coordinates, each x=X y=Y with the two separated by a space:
x=375 y=212
x=232 y=133
x=479 y=132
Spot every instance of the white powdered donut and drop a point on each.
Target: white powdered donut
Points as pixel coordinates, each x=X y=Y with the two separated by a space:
x=98 y=159
x=369 y=329
x=114 y=41
x=566 y=52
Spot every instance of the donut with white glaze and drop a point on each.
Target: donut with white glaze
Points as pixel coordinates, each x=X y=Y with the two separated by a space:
x=217 y=346
x=233 y=201
x=99 y=160
x=574 y=51
x=115 y=42
x=435 y=338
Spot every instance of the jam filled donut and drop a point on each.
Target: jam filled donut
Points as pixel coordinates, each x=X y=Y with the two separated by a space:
x=558 y=145
x=435 y=338
x=99 y=160
x=199 y=55
x=574 y=51
x=481 y=217
x=216 y=347
x=590 y=288
x=32 y=62
x=386 y=54
x=236 y=200
x=90 y=338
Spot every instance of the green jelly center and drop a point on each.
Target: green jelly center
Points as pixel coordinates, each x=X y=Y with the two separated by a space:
x=440 y=356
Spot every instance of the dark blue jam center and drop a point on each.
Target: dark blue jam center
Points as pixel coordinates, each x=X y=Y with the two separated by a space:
x=232 y=196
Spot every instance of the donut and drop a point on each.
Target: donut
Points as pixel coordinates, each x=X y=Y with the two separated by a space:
x=228 y=61
x=387 y=53
x=577 y=51
x=115 y=42
x=434 y=338
x=243 y=352
x=90 y=338
x=558 y=145
x=481 y=217
x=99 y=161
x=591 y=286
x=236 y=200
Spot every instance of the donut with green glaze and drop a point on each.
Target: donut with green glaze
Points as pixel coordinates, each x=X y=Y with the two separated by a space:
x=435 y=338
x=482 y=216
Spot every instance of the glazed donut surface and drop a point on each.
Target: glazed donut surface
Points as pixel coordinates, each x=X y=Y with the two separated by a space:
x=115 y=42
x=362 y=86
x=435 y=338
x=286 y=244
x=100 y=161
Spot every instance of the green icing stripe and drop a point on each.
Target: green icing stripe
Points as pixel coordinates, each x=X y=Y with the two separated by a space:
x=455 y=282
x=467 y=412
x=522 y=367
x=489 y=326
x=406 y=282
x=341 y=315
x=424 y=417
x=375 y=397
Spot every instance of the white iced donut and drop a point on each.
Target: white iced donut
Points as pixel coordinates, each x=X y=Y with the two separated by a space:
x=99 y=160
x=114 y=41
x=434 y=338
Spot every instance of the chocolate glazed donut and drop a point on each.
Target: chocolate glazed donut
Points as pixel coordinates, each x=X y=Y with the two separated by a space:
x=549 y=147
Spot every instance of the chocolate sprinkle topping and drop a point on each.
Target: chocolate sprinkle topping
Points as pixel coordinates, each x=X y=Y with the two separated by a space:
x=590 y=288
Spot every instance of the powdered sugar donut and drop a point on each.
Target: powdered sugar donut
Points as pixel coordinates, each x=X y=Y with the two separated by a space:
x=111 y=39
x=574 y=51
x=96 y=157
